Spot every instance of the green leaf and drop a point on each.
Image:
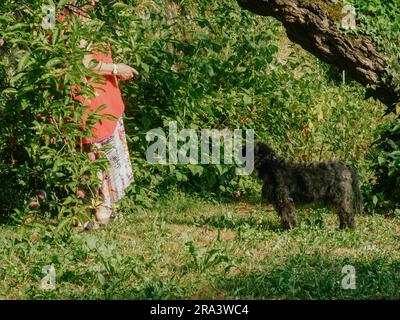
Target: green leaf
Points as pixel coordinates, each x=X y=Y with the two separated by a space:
x=101 y=278
x=53 y=62
x=24 y=61
x=63 y=224
x=9 y=91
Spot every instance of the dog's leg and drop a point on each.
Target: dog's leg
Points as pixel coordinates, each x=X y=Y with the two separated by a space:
x=284 y=204
x=265 y=193
x=351 y=223
x=342 y=217
x=344 y=206
x=346 y=218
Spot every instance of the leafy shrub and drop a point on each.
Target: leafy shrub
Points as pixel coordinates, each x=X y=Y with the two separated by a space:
x=384 y=191
x=205 y=64
x=380 y=20
x=41 y=123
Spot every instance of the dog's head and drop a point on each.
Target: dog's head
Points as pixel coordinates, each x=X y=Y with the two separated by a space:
x=264 y=149
x=264 y=156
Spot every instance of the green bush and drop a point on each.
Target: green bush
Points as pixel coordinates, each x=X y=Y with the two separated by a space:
x=41 y=167
x=381 y=21
x=205 y=64
x=384 y=190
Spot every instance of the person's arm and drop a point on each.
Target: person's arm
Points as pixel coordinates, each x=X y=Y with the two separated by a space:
x=123 y=71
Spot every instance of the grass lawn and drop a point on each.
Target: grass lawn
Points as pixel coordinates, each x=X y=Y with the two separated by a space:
x=195 y=249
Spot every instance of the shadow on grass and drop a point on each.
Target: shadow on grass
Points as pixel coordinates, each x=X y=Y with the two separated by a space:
x=313 y=276
x=226 y=222
x=302 y=276
x=229 y=220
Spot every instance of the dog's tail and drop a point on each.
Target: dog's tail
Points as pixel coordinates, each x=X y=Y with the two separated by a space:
x=357 y=196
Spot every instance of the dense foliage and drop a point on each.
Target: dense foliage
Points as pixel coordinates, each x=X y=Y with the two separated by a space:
x=42 y=165
x=205 y=64
x=381 y=21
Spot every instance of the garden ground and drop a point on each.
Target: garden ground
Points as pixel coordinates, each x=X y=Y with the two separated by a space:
x=192 y=248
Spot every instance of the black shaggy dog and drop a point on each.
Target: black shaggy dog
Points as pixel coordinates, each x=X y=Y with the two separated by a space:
x=287 y=184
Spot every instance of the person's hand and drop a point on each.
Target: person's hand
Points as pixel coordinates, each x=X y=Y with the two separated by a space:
x=126 y=72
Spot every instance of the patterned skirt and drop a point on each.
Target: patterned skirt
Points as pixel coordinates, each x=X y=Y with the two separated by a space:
x=119 y=175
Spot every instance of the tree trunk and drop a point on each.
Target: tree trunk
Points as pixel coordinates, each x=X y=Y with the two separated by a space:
x=314 y=26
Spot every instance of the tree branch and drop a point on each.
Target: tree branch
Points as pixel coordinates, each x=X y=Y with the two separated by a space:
x=314 y=26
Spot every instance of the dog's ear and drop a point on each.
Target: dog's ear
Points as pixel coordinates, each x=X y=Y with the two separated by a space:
x=265 y=150
x=264 y=155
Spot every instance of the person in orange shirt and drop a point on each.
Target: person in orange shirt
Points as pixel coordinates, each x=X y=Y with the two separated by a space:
x=109 y=134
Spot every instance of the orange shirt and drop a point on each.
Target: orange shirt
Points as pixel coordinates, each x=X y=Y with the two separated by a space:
x=107 y=94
